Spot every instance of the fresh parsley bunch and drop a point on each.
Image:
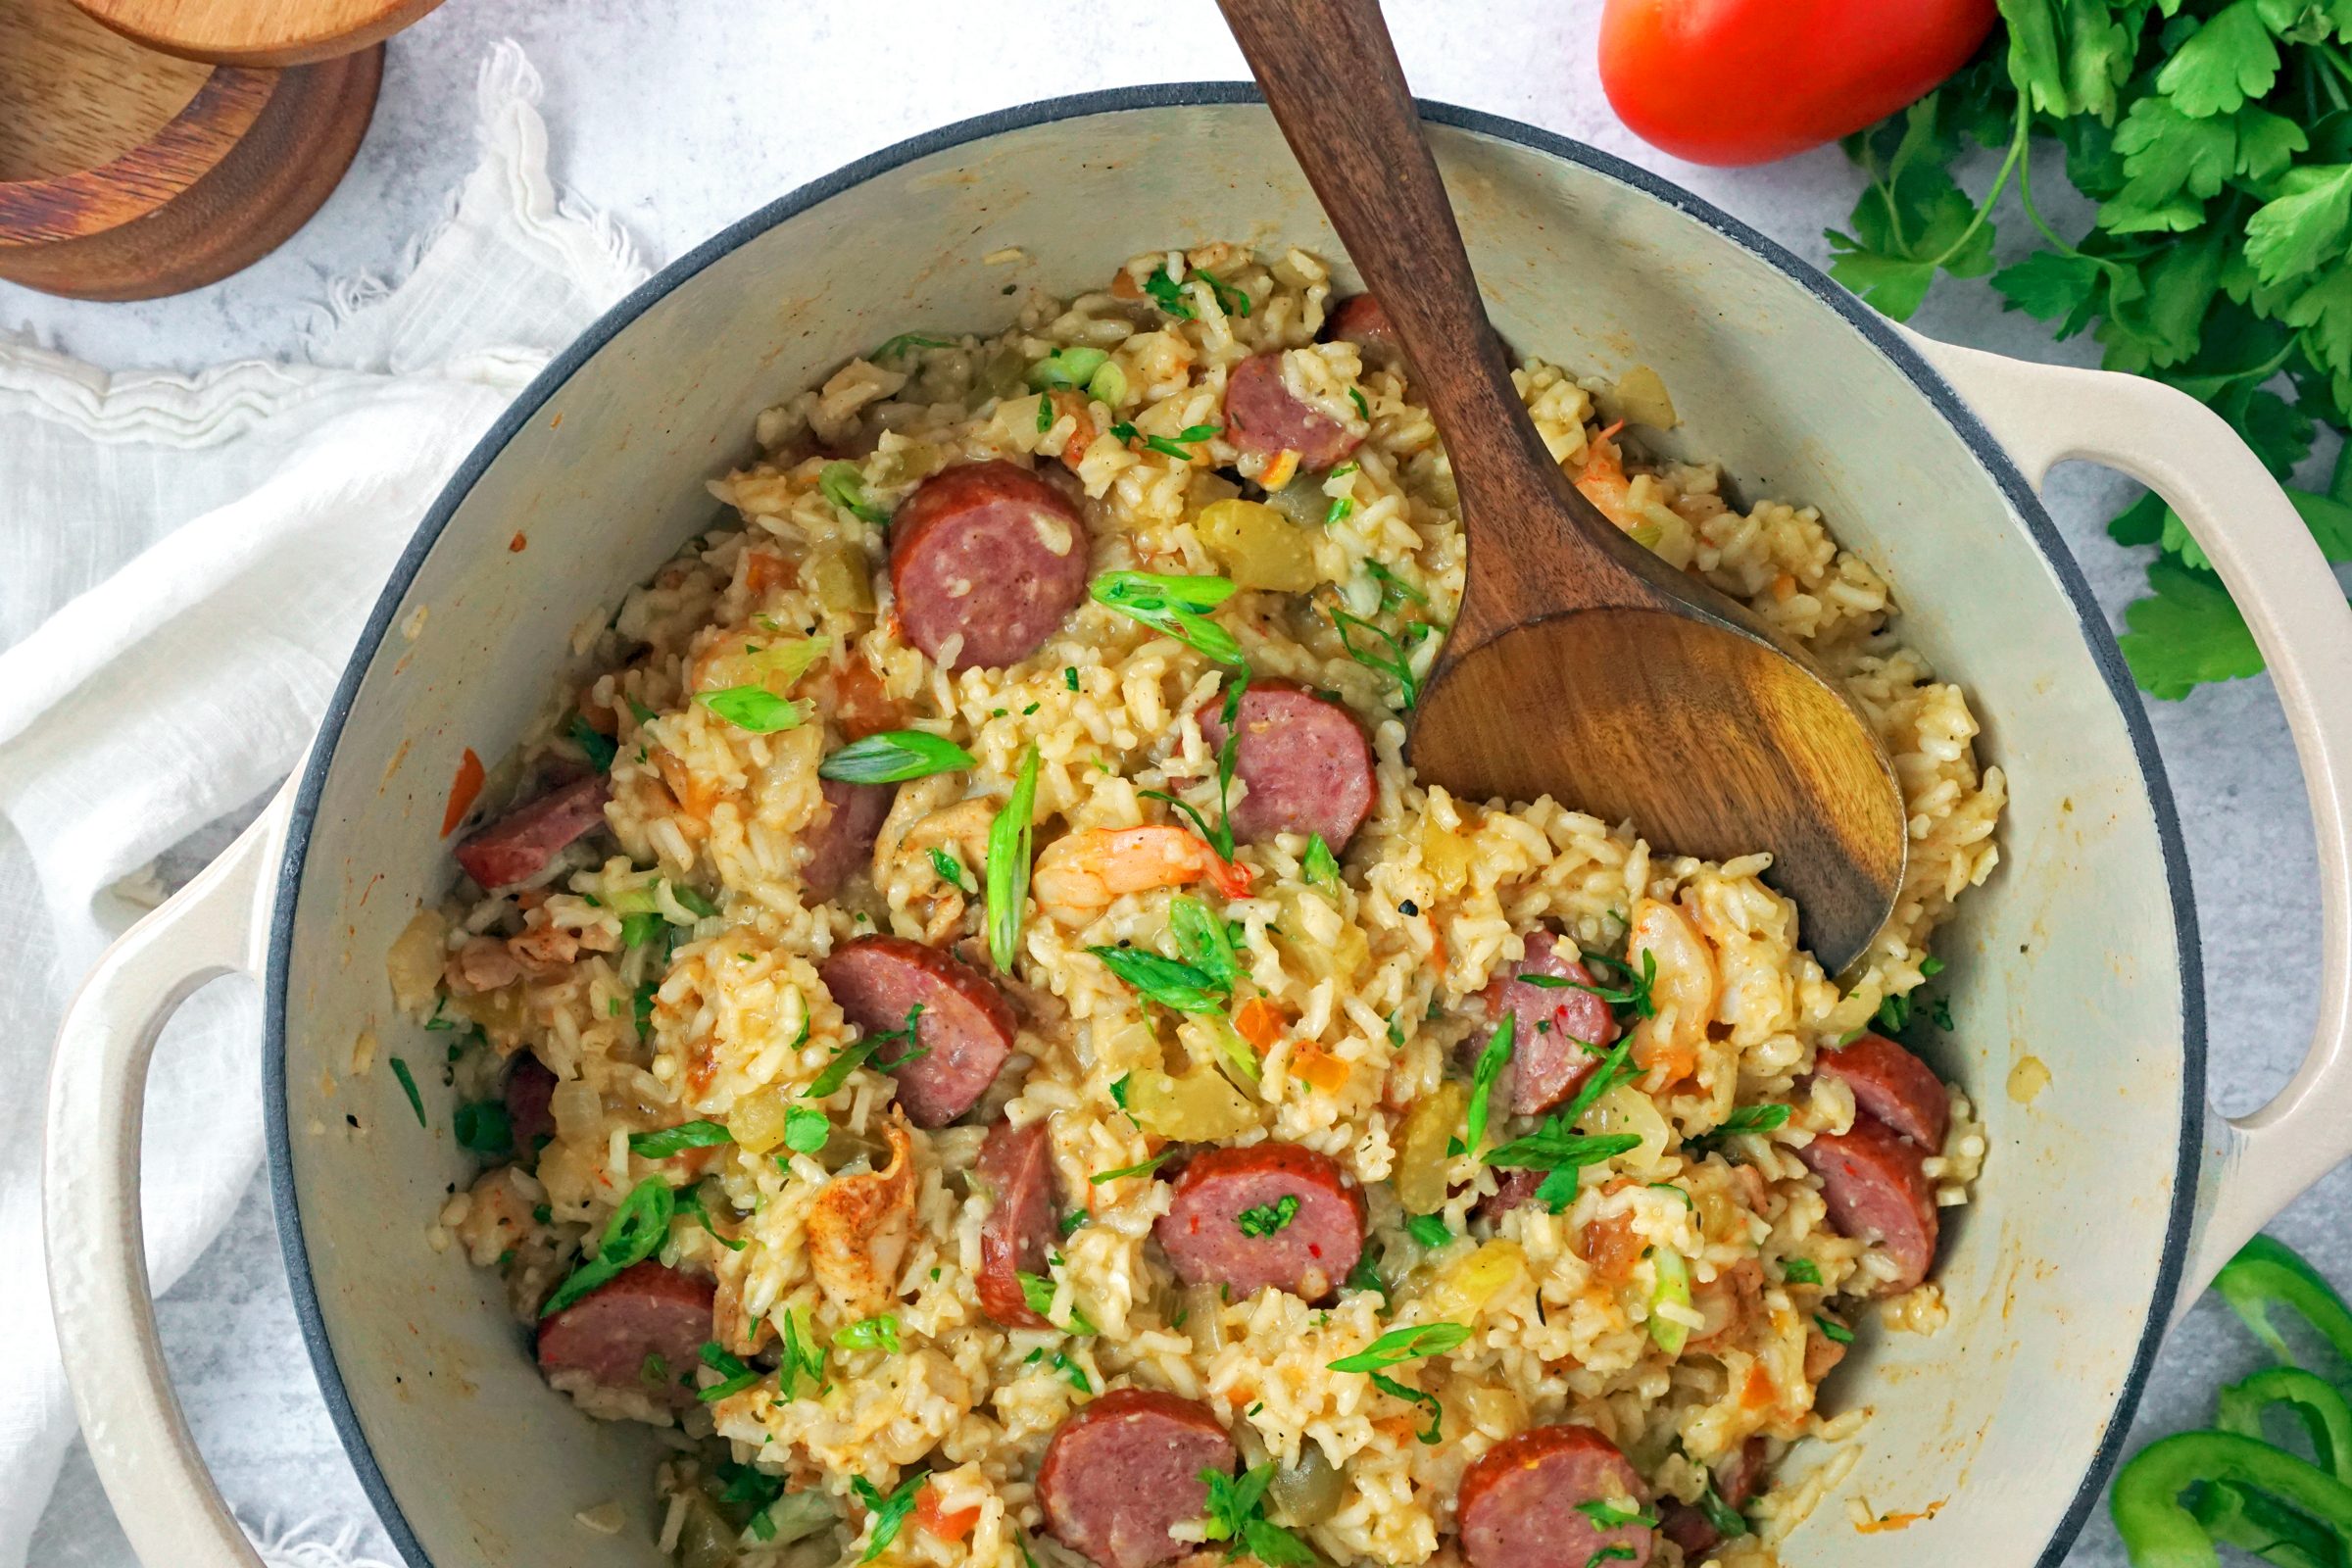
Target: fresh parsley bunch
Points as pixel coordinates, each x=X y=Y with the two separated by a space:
x=2216 y=137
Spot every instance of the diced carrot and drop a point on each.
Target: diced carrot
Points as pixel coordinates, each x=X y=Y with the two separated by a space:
x=1280 y=472
x=1757 y=1391
x=462 y=790
x=1260 y=1022
x=1320 y=1068
x=1784 y=586
x=519 y=543
x=1082 y=431
x=947 y=1526
x=693 y=797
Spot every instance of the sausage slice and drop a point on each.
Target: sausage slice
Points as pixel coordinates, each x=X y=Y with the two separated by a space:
x=1875 y=1184
x=1737 y=1479
x=1017 y=1164
x=1552 y=1025
x=1124 y=1470
x=518 y=846
x=1519 y=1503
x=1304 y=759
x=963 y=1036
x=1362 y=320
x=531 y=1105
x=1272 y=1214
x=985 y=558
x=1262 y=414
x=1895 y=1087
x=840 y=840
x=643 y=1329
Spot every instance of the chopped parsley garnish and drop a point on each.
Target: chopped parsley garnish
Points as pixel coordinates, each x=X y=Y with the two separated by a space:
x=1428 y=1229
x=889 y=1512
x=1229 y=298
x=894 y=757
x=599 y=748
x=407 y=1087
x=1940 y=1014
x=1069 y=676
x=1174 y=606
x=948 y=869
x=677 y=1140
x=1836 y=1332
x=1363 y=409
x=1045 y=422
x=691 y=902
x=1038 y=1292
x=1618 y=1553
x=1491 y=1061
x=1802 y=1270
x=1267 y=1219
x=1141 y=1168
x=690 y=1204
x=1366 y=1276
x=1009 y=837
x=1339 y=510
x=879 y=1333
x=634 y=1233
x=483 y=1126
x=1070 y=1222
x=1168 y=294
x=755 y=709
x=1237 y=1515
x=842 y=484
x=802 y=1357
x=737 y=1376
x=806 y=1129
x=1893 y=1013
x=1728 y=1521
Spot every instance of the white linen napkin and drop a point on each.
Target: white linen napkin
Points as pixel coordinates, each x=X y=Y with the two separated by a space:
x=184 y=564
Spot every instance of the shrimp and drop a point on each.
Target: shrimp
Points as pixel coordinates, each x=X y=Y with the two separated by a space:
x=1604 y=483
x=859 y=1229
x=1079 y=876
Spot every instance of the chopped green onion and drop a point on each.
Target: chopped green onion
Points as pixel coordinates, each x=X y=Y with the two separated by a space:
x=1045 y=413
x=691 y=902
x=599 y=748
x=634 y=1233
x=754 y=708
x=1038 y=1293
x=407 y=1086
x=1429 y=1229
x=905 y=341
x=1802 y=1270
x=1009 y=837
x=1396 y=663
x=677 y=1140
x=1141 y=1168
x=889 y=1513
x=1180 y=445
x=1669 y=1287
x=1833 y=1330
x=738 y=1377
x=1363 y=409
x=1491 y=1063
x=1404 y=1344
x=483 y=1126
x=1176 y=607
x=1107 y=385
x=894 y=757
x=879 y=1333
x=1170 y=294
x=1232 y=300
x=842 y=484
x=1066 y=369
x=1175 y=985
x=1752 y=1120
x=1319 y=866
x=948 y=868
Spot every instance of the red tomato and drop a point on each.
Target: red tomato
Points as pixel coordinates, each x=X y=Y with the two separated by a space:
x=1745 y=82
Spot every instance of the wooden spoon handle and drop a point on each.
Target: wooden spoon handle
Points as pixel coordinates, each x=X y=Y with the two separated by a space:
x=1331 y=76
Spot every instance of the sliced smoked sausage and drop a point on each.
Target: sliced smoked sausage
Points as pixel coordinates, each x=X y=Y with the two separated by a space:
x=1521 y=1504
x=1262 y=414
x=1558 y=1032
x=1736 y=1477
x=531 y=1105
x=840 y=840
x=1124 y=1470
x=1362 y=320
x=985 y=559
x=963 y=1036
x=643 y=1329
x=518 y=846
x=1875 y=1183
x=1894 y=1086
x=1272 y=1214
x=1303 y=759
x=1017 y=1165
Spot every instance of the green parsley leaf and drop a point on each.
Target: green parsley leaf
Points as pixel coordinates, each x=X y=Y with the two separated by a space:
x=1168 y=294
x=948 y=869
x=1237 y=1514
x=1752 y=1120
x=599 y=748
x=894 y=757
x=2185 y=633
x=806 y=1129
x=1269 y=1219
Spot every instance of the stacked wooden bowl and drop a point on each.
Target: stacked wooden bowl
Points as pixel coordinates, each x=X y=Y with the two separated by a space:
x=151 y=146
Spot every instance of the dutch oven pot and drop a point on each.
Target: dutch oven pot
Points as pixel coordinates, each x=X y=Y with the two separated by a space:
x=2105 y=1202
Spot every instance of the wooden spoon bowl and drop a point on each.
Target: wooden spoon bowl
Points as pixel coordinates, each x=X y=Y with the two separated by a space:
x=125 y=174
x=1580 y=665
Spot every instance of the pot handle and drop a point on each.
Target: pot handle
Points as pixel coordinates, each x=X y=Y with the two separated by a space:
x=97 y=1257
x=2166 y=439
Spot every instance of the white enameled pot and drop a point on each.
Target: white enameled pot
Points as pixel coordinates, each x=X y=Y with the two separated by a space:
x=2106 y=1200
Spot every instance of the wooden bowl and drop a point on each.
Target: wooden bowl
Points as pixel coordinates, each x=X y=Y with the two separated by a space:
x=258 y=32
x=125 y=174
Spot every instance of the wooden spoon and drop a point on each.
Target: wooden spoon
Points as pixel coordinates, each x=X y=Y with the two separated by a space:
x=1580 y=665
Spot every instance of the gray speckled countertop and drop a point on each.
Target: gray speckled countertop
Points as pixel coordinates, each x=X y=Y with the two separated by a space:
x=679 y=116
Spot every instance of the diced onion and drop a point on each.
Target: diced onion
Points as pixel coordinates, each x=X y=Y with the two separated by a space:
x=1423 y=1167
